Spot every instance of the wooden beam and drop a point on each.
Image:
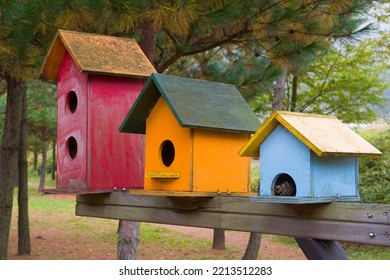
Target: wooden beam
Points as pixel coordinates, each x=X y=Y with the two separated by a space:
x=349 y=222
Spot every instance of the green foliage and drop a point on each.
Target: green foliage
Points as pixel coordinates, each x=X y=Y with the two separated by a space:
x=19 y=51
x=375 y=173
x=252 y=75
x=348 y=82
x=42 y=111
x=255 y=176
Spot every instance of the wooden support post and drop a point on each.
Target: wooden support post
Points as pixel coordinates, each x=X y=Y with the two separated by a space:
x=321 y=249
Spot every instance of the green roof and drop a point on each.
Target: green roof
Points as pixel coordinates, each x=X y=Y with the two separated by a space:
x=194 y=103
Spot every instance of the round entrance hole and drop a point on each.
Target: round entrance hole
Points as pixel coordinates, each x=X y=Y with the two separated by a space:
x=167 y=153
x=71 y=145
x=71 y=101
x=284 y=185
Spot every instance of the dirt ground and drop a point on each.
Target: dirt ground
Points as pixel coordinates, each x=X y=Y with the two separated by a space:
x=50 y=241
x=268 y=249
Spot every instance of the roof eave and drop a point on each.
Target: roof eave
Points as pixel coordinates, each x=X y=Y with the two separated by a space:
x=135 y=120
x=52 y=62
x=252 y=147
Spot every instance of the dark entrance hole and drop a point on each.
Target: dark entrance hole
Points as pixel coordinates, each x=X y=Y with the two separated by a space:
x=71 y=101
x=284 y=185
x=167 y=153
x=71 y=145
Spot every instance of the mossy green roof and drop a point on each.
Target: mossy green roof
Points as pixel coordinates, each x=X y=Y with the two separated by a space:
x=195 y=104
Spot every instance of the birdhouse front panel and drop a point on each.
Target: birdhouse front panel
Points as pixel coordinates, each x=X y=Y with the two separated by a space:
x=168 y=151
x=284 y=157
x=72 y=124
x=216 y=163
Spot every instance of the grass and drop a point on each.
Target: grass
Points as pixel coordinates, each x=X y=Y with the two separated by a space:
x=366 y=252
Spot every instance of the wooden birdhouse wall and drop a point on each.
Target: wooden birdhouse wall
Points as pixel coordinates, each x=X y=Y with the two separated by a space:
x=202 y=160
x=161 y=160
x=217 y=165
x=92 y=154
x=72 y=124
x=282 y=153
x=335 y=176
x=117 y=160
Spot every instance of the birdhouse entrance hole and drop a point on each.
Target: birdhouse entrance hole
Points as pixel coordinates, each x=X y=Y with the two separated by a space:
x=71 y=101
x=284 y=185
x=71 y=146
x=167 y=153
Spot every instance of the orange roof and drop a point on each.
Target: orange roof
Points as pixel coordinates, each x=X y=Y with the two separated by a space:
x=98 y=54
x=323 y=134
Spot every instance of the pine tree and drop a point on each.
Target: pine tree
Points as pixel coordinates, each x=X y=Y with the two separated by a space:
x=12 y=70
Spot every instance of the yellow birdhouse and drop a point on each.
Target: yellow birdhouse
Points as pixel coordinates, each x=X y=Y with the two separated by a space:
x=194 y=130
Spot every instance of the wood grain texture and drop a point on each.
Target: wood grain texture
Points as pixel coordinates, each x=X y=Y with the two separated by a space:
x=349 y=222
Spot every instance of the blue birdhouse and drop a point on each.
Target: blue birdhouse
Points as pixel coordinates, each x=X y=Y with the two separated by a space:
x=307 y=158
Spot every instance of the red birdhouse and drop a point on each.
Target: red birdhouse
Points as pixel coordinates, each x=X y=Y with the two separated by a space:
x=98 y=79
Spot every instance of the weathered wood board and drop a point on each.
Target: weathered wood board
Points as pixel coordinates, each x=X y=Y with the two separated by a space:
x=349 y=222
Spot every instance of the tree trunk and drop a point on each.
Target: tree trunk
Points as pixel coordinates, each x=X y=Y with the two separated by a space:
x=54 y=161
x=219 y=239
x=35 y=161
x=294 y=93
x=252 y=250
x=43 y=168
x=280 y=86
x=148 y=39
x=128 y=237
x=9 y=159
x=128 y=231
x=24 y=245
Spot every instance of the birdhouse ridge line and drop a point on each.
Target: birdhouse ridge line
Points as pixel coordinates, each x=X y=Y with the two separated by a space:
x=323 y=134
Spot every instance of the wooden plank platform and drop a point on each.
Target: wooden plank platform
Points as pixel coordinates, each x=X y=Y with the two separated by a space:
x=349 y=222
x=188 y=194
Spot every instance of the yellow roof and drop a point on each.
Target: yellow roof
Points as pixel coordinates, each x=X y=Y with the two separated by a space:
x=325 y=135
x=99 y=54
